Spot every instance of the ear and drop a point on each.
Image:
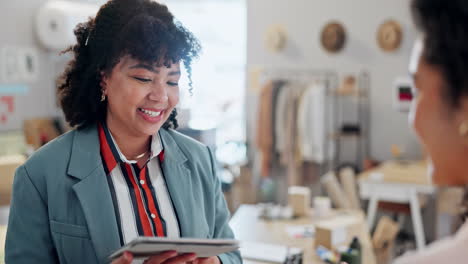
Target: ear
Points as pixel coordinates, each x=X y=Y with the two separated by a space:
x=462 y=119
x=103 y=82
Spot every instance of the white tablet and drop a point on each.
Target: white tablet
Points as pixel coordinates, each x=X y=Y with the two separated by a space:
x=142 y=247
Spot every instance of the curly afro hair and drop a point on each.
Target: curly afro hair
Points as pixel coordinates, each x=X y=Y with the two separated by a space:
x=142 y=29
x=444 y=25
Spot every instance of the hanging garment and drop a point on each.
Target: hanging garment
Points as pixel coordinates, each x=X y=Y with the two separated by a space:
x=312 y=123
x=264 y=137
x=277 y=87
x=280 y=119
x=287 y=157
x=299 y=123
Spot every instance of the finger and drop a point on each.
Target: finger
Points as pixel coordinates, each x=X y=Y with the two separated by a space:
x=160 y=258
x=194 y=262
x=187 y=257
x=208 y=260
x=126 y=258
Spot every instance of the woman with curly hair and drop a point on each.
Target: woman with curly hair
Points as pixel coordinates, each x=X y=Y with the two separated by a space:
x=123 y=172
x=440 y=110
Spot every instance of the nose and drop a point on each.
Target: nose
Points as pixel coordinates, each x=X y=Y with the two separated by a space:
x=158 y=93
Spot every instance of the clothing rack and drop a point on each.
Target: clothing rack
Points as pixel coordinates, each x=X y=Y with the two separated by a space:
x=330 y=79
x=332 y=109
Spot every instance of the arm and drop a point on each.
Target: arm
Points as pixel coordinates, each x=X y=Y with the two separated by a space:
x=222 y=228
x=28 y=236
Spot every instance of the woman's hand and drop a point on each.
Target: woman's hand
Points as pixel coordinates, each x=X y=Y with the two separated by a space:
x=126 y=258
x=210 y=260
x=171 y=257
x=168 y=257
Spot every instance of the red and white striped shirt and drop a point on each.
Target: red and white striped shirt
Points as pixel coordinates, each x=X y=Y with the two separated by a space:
x=142 y=202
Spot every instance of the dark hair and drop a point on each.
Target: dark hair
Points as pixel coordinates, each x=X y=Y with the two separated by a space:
x=444 y=24
x=143 y=29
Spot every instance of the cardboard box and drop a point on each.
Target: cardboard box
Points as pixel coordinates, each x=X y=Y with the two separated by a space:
x=8 y=165
x=338 y=231
x=383 y=239
x=299 y=200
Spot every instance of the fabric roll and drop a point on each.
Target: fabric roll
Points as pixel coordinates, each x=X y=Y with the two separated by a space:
x=335 y=191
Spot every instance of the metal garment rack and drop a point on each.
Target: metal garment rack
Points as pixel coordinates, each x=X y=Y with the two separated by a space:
x=361 y=105
x=331 y=80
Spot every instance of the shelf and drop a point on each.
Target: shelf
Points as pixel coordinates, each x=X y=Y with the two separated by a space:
x=355 y=93
x=345 y=136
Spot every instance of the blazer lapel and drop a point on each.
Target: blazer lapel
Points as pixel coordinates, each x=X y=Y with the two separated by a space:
x=93 y=192
x=179 y=182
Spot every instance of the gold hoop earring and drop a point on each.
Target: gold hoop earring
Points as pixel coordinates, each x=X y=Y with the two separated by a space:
x=463 y=129
x=103 y=97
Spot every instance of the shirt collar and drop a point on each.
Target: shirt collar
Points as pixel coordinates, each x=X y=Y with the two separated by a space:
x=113 y=155
x=156 y=148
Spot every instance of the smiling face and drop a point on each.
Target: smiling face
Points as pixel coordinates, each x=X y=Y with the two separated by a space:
x=140 y=97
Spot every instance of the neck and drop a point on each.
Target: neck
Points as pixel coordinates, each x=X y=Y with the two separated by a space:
x=129 y=144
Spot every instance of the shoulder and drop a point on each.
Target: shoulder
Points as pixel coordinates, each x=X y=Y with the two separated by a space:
x=53 y=152
x=449 y=250
x=44 y=166
x=183 y=140
x=189 y=146
x=199 y=156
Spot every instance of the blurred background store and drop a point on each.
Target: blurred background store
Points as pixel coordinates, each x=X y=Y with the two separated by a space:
x=311 y=94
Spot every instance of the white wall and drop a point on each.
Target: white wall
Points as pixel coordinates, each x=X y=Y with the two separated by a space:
x=17 y=18
x=304 y=19
x=17 y=30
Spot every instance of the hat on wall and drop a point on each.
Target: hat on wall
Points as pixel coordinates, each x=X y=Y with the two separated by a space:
x=389 y=35
x=333 y=37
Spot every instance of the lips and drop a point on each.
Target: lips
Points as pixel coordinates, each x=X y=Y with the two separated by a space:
x=151 y=115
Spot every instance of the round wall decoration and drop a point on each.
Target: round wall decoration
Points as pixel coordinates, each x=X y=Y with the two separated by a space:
x=276 y=38
x=333 y=37
x=389 y=35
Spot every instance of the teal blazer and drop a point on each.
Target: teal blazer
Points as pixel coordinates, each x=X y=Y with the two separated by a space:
x=62 y=210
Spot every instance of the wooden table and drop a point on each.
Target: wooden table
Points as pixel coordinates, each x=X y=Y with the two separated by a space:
x=247 y=226
x=398 y=182
x=2 y=243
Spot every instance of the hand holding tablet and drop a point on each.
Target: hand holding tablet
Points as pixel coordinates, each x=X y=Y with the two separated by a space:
x=145 y=247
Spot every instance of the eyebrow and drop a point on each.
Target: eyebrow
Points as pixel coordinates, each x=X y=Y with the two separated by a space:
x=144 y=66
x=151 y=69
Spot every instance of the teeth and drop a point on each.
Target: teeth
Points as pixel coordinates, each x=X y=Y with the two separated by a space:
x=150 y=113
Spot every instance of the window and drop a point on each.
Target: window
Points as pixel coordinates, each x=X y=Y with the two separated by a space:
x=219 y=75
